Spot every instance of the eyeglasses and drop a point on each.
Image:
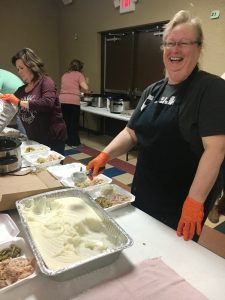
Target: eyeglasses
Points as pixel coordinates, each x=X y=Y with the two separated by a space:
x=180 y=44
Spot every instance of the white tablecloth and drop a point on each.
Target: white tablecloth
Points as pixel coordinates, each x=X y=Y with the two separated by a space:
x=203 y=269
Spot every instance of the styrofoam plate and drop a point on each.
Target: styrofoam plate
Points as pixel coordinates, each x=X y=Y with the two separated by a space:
x=83 y=103
x=64 y=174
x=98 y=191
x=65 y=171
x=68 y=182
x=26 y=253
x=8 y=228
x=33 y=159
x=31 y=149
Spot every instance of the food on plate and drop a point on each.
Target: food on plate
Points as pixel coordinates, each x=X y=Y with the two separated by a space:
x=11 y=252
x=41 y=160
x=89 y=182
x=29 y=149
x=14 y=269
x=110 y=197
x=50 y=157
x=66 y=230
x=111 y=200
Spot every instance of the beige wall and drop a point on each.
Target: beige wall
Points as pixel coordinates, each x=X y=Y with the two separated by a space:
x=33 y=24
x=88 y=17
x=49 y=28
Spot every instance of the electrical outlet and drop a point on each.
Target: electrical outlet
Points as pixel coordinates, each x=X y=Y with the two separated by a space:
x=215 y=14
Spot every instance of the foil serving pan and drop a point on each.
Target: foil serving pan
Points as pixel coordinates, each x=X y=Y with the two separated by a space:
x=120 y=239
x=7 y=112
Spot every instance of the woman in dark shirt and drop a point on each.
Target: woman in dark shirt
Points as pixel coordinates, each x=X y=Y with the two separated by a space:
x=179 y=128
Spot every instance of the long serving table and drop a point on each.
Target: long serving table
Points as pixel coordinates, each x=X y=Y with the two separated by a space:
x=203 y=269
x=105 y=113
x=125 y=116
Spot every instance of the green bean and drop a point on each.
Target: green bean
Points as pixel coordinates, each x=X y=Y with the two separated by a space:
x=13 y=251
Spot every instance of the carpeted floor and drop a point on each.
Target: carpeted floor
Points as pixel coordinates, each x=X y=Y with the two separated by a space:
x=117 y=169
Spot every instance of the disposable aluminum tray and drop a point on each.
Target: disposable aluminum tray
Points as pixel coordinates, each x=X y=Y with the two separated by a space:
x=117 y=235
x=7 y=112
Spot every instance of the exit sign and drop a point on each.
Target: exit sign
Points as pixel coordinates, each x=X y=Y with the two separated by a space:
x=127 y=6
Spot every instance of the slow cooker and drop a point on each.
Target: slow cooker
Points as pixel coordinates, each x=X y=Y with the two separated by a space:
x=10 y=155
x=117 y=106
x=98 y=100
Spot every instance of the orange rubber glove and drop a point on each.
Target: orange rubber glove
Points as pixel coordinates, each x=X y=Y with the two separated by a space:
x=98 y=163
x=191 y=219
x=10 y=98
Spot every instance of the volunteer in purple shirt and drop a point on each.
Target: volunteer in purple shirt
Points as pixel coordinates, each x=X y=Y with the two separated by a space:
x=39 y=106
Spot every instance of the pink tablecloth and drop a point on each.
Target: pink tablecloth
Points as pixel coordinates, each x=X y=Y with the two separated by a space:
x=151 y=279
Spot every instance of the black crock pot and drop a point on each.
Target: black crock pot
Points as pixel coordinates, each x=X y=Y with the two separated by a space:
x=10 y=155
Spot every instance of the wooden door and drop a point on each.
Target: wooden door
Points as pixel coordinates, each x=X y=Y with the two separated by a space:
x=148 y=62
x=132 y=59
x=118 y=65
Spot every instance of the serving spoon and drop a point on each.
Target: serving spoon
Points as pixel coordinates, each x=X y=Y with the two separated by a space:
x=81 y=176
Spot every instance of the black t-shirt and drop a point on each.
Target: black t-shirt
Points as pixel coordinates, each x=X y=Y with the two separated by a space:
x=202 y=108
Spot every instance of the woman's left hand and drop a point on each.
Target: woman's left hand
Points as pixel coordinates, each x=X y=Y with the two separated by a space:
x=191 y=219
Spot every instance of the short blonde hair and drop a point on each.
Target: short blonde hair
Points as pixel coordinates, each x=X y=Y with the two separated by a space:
x=184 y=17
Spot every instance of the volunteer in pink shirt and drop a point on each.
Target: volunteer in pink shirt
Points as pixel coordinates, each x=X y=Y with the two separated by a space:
x=72 y=82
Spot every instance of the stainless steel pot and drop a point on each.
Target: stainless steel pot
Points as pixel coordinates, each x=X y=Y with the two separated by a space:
x=10 y=155
x=98 y=102
x=87 y=98
x=117 y=106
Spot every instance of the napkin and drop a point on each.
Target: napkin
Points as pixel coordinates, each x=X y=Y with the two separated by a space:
x=151 y=279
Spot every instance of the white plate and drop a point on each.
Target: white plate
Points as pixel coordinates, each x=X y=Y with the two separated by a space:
x=68 y=182
x=29 y=142
x=32 y=159
x=97 y=191
x=64 y=174
x=33 y=149
x=83 y=103
x=66 y=171
x=8 y=228
x=26 y=253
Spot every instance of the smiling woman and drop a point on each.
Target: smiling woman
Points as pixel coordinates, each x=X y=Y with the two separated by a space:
x=181 y=145
x=182 y=45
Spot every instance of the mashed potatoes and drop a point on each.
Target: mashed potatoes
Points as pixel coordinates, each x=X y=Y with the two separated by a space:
x=66 y=231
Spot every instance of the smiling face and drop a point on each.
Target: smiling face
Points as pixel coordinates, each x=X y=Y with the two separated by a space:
x=24 y=72
x=180 y=60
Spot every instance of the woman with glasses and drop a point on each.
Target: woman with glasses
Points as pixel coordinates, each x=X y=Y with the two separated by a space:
x=179 y=129
x=39 y=106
